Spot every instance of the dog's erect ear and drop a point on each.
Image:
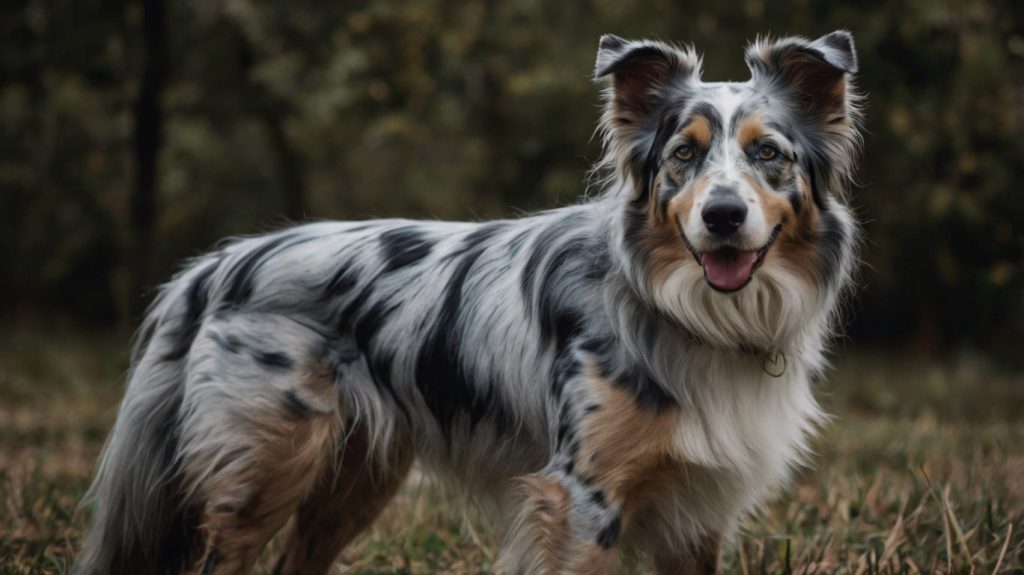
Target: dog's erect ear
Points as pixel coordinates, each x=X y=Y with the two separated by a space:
x=642 y=72
x=815 y=71
x=646 y=76
x=816 y=76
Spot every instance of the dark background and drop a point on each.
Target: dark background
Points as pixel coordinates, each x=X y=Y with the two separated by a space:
x=135 y=135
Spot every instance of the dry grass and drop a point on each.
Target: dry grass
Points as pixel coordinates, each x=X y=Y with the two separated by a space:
x=922 y=472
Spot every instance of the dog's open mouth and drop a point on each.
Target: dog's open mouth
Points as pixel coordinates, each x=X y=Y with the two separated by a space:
x=729 y=269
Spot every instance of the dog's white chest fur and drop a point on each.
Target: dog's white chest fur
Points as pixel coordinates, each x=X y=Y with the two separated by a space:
x=741 y=435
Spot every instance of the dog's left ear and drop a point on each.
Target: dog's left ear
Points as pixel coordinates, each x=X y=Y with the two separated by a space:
x=817 y=72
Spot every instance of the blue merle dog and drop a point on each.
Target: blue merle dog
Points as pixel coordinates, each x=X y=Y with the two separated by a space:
x=634 y=370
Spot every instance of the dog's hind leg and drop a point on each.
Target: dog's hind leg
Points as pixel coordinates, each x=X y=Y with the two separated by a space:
x=261 y=419
x=345 y=501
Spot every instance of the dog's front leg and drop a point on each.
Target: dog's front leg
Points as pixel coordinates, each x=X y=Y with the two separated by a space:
x=559 y=529
x=613 y=456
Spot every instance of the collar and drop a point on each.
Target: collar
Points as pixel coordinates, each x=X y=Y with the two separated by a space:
x=773 y=360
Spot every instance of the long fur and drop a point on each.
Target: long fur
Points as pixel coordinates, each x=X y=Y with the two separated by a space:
x=572 y=369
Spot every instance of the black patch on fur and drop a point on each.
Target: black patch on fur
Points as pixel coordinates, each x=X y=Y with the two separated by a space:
x=475 y=242
x=598 y=264
x=596 y=345
x=370 y=321
x=344 y=279
x=634 y=223
x=814 y=167
x=609 y=535
x=540 y=249
x=229 y=344
x=403 y=247
x=364 y=324
x=241 y=276
x=297 y=407
x=196 y=299
x=380 y=361
x=549 y=291
x=646 y=391
x=339 y=352
x=558 y=322
x=796 y=200
x=565 y=426
x=442 y=380
x=831 y=245
x=380 y=365
x=667 y=127
x=519 y=240
x=274 y=359
x=565 y=368
x=597 y=498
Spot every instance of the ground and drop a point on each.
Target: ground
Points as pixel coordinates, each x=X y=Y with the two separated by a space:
x=921 y=471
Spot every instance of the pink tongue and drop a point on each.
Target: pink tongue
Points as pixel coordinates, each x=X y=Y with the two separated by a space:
x=728 y=270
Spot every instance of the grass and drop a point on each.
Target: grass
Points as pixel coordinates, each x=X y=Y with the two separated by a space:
x=921 y=472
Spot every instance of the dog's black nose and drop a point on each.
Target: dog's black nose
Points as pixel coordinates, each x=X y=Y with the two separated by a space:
x=725 y=214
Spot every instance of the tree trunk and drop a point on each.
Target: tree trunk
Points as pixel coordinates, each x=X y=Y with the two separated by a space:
x=289 y=164
x=147 y=139
x=273 y=114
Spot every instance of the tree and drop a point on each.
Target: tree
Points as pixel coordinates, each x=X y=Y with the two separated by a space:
x=148 y=136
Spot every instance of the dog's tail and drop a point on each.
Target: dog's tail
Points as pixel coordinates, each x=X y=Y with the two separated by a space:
x=140 y=523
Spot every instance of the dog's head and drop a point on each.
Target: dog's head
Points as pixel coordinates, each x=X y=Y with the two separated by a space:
x=734 y=190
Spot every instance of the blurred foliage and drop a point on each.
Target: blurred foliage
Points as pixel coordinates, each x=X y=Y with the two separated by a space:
x=475 y=109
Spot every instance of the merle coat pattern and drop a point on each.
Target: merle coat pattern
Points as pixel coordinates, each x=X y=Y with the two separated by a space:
x=632 y=370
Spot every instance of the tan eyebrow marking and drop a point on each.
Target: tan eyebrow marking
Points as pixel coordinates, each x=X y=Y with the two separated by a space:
x=698 y=131
x=751 y=130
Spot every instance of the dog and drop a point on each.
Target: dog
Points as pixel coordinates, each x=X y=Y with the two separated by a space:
x=632 y=371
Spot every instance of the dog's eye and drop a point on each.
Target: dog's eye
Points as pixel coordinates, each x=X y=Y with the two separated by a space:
x=767 y=153
x=684 y=153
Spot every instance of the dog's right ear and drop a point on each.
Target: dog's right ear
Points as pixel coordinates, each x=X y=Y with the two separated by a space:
x=643 y=75
x=646 y=76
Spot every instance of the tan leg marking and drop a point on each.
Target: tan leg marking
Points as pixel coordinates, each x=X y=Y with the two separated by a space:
x=258 y=483
x=624 y=446
x=345 y=501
